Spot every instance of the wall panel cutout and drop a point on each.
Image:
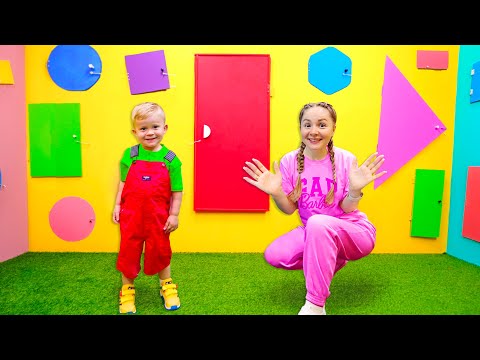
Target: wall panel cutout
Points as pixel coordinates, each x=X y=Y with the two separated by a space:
x=475 y=83
x=329 y=70
x=471 y=214
x=147 y=72
x=6 y=74
x=55 y=148
x=74 y=67
x=427 y=203
x=72 y=218
x=232 y=98
x=401 y=101
x=432 y=60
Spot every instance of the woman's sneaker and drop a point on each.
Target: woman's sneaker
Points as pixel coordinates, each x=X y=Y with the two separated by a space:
x=169 y=294
x=127 y=299
x=312 y=309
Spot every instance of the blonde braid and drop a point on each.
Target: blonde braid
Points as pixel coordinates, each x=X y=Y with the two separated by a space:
x=297 y=190
x=330 y=195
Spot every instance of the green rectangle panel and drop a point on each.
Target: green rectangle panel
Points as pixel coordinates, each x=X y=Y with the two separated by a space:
x=427 y=203
x=55 y=148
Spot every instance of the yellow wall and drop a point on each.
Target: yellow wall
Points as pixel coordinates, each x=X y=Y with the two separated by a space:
x=105 y=128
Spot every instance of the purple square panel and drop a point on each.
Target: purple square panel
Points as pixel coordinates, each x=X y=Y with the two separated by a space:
x=147 y=72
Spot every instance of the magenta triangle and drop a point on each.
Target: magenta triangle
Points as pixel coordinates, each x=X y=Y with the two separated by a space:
x=407 y=124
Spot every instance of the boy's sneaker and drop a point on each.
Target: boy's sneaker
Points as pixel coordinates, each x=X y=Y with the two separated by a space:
x=127 y=299
x=312 y=309
x=169 y=294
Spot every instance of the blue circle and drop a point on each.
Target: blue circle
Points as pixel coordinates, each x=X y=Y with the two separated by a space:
x=74 y=67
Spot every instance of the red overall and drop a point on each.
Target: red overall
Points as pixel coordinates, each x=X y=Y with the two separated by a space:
x=145 y=206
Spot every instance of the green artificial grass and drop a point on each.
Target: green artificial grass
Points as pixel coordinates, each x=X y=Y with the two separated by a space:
x=239 y=284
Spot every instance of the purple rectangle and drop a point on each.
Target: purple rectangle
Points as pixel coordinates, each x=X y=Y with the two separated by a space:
x=147 y=72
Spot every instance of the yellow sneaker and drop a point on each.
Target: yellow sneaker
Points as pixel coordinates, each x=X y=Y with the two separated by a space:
x=127 y=299
x=169 y=294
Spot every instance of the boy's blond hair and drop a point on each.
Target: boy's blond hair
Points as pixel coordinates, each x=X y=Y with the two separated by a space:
x=145 y=110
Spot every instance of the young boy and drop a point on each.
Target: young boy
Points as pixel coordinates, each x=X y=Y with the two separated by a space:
x=147 y=206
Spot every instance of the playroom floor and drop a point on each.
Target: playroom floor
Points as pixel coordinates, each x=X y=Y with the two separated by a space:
x=239 y=284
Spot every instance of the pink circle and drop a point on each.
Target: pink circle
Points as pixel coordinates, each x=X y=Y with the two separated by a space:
x=72 y=218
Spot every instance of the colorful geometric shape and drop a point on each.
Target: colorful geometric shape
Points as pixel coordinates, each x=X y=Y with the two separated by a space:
x=147 y=72
x=72 y=218
x=471 y=213
x=432 y=60
x=427 y=203
x=74 y=67
x=475 y=86
x=224 y=82
x=55 y=148
x=402 y=108
x=6 y=75
x=329 y=70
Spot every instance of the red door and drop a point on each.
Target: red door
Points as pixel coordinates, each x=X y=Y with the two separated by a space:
x=232 y=107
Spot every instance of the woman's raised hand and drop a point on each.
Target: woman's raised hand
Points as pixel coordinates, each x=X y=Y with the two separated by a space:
x=262 y=178
x=361 y=176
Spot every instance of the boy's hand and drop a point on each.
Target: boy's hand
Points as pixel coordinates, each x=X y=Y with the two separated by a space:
x=171 y=224
x=116 y=214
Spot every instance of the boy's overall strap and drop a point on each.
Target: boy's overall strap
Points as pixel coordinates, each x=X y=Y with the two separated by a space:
x=170 y=155
x=134 y=150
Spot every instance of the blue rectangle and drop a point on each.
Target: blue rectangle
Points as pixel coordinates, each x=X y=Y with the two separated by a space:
x=475 y=87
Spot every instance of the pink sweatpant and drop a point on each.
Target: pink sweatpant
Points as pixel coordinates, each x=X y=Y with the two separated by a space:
x=321 y=248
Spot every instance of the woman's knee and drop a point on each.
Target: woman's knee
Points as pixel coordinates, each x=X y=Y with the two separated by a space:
x=271 y=256
x=318 y=222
